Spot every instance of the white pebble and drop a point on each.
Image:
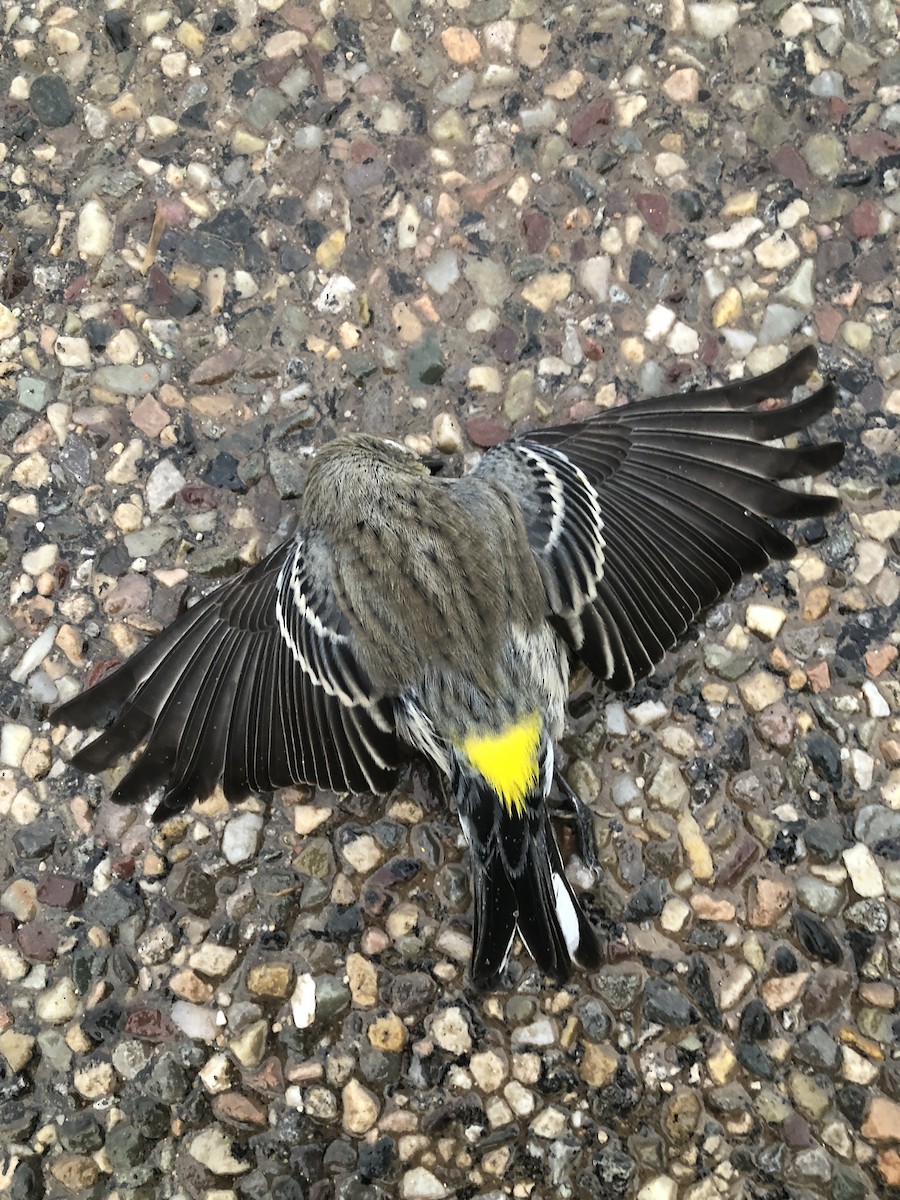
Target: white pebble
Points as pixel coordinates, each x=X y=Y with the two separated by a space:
x=164 y=484
x=651 y=712
x=303 y=1001
x=95 y=229
x=713 y=20
x=194 y=1021
x=875 y=702
x=240 y=838
x=736 y=235
x=659 y=321
x=58 y=1004
x=765 y=619
x=72 y=352
x=863 y=871
x=41 y=558
x=34 y=655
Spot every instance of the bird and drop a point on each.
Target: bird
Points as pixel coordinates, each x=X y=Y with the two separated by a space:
x=415 y=614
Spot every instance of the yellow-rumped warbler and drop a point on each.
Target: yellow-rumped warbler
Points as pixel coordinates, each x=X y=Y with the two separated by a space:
x=413 y=612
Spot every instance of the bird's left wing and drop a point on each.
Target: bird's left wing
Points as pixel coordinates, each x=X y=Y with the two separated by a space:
x=258 y=685
x=644 y=515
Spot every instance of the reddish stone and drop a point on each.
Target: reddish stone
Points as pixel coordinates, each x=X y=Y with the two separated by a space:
x=654 y=208
x=731 y=870
x=199 y=497
x=828 y=321
x=484 y=432
x=235 y=1109
x=123 y=868
x=268 y=1079
x=863 y=221
x=218 y=367
x=100 y=670
x=586 y=124
x=37 y=942
x=879 y=659
x=592 y=349
x=709 y=350
x=536 y=227
x=161 y=291
x=151 y=1024
x=788 y=162
x=78 y=285
x=61 y=891
x=505 y=344
x=872 y=145
x=362 y=150
x=819 y=677
x=837 y=109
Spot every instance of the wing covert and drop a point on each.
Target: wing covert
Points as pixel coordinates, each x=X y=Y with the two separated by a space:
x=664 y=505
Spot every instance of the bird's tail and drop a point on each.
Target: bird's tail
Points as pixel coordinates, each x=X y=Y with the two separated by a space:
x=520 y=885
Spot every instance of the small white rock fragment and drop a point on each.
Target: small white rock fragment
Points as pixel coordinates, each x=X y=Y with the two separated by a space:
x=875 y=702
x=213 y=1148
x=765 y=619
x=863 y=871
x=240 y=839
x=95 y=229
x=14 y=742
x=164 y=484
x=303 y=1001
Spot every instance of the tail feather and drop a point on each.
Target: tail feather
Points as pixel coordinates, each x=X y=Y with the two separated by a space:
x=532 y=897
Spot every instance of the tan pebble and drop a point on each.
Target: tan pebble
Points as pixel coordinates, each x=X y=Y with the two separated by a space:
x=360 y=1108
x=816 y=604
x=274 y=980
x=17 y=1048
x=460 y=45
x=708 y=908
x=721 y=1064
x=780 y=992
x=882 y=1123
x=362 y=979
x=189 y=986
x=741 y=204
x=534 y=44
x=546 y=289
x=683 y=85
x=767 y=902
x=566 y=86
x=598 y=1065
x=75 y=1172
x=388 y=1033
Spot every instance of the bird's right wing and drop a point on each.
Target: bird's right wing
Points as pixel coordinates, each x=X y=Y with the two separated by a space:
x=257 y=685
x=644 y=515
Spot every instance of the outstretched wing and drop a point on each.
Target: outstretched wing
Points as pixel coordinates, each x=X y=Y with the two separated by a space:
x=646 y=514
x=257 y=685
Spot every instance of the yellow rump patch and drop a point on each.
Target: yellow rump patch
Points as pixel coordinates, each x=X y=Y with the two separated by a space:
x=508 y=760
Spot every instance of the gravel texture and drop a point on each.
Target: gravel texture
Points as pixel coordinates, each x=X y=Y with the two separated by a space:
x=228 y=233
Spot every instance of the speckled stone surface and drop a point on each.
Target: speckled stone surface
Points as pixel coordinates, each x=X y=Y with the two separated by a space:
x=229 y=233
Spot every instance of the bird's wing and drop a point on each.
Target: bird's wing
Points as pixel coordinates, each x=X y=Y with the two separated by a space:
x=257 y=685
x=646 y=514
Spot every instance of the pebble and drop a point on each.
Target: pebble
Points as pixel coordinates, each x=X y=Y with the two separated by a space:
x=776 y=251
x=95 y=229
x=422 y=1184
x=214 y=1149
x=714 y=19
x=450 y=1031
x=863 y=871
x=360 y=1108
x=241 y=837
x=57 y=1004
